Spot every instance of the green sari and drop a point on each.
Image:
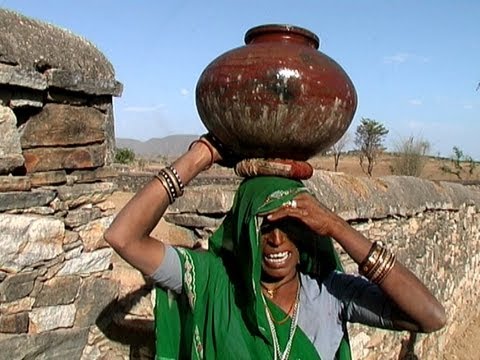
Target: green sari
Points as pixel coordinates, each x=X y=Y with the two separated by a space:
x=221 y=312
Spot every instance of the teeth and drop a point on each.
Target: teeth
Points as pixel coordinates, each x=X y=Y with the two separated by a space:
x=277 y=257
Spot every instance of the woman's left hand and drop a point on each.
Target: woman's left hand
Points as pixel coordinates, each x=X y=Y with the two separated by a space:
x=311 y=212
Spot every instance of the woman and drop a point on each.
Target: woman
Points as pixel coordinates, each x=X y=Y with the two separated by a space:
x=270 y=286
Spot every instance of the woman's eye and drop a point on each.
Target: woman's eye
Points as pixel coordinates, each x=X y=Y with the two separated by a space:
x=266 y=228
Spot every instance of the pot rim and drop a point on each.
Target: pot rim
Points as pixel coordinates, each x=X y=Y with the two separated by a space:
x=287 y=28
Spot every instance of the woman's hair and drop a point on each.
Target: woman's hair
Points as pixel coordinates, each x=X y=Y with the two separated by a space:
x=299 y=233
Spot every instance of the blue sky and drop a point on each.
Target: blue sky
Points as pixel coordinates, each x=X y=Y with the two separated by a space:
x=415 y=64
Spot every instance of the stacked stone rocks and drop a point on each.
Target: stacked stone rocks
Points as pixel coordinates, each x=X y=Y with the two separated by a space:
x=56 y=145
x=433 y=227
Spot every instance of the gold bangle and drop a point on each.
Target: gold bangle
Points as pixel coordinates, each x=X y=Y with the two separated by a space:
x=377 y=264
x=381 y=267
x=370 y=260
x=384 y=262
x=384 y=268
x=388 y=268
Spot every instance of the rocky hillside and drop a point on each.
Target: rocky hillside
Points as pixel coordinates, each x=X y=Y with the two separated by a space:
x=167 y=146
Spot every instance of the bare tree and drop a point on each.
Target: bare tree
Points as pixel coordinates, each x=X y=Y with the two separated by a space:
x=369 y=138
x=337 y=149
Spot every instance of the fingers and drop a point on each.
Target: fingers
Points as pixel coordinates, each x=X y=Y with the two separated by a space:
x=291 y=203
x=301 y=201
x=216 y=156
x=226 y=157
x=299 y=207
x=291 y=208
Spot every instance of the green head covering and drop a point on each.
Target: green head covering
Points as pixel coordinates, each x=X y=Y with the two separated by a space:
x=236 y=244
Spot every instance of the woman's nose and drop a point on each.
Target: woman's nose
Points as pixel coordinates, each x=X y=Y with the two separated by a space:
x=276 y=237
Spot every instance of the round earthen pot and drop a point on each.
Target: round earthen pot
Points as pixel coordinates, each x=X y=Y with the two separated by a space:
x=277 y=96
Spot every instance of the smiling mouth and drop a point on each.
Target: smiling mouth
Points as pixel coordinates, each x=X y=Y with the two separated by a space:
x=277 y=258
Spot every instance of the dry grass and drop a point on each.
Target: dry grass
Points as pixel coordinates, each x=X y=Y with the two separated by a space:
x=349 y=164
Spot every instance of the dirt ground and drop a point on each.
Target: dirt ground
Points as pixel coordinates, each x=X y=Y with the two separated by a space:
x=466 y=344
x=349 y=164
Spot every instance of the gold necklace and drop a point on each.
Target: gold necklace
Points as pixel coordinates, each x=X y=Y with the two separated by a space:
x=271 y=293
x=280 y=322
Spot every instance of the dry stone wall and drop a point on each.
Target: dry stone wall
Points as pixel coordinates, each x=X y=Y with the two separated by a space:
x=434 y=228
x=56 y=147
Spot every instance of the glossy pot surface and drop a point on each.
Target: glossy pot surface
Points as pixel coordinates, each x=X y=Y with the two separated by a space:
x=277 y=96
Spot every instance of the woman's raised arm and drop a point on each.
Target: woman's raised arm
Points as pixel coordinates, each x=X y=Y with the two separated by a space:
x=418 y=309
x=129 y=233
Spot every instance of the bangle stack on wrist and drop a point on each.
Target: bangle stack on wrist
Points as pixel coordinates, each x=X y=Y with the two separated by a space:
x=378 y=263
x=172 y=183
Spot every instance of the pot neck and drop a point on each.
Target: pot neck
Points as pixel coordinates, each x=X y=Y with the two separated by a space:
x=281 y=33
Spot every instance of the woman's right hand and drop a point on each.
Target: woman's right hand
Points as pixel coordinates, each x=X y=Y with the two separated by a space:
x=226 y=157
x=205 y=140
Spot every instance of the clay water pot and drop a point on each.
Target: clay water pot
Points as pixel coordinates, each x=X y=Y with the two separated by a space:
x=277 y=96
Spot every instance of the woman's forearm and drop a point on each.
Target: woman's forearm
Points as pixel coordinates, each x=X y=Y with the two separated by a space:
x=401 y=285
x=129 y=233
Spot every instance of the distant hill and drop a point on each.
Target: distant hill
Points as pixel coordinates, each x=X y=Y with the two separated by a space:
x=167 y=146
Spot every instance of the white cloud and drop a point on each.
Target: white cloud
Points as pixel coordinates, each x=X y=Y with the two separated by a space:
x=415 y=125
x=184 y=92
x=397 y=58
x=403 y=57
x=143 y=109
x=415 y=102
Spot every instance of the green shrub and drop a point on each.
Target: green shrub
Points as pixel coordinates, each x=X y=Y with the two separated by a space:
x=459 y=164
x=124 y=156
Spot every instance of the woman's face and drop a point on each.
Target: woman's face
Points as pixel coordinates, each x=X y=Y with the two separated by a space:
x=280 y=256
